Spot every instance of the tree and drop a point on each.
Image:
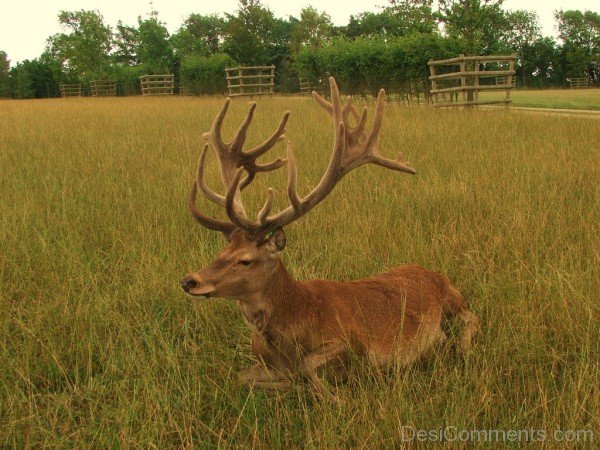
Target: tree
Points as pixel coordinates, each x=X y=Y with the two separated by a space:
x=522 y=30
x=153 y=47
x=85 y=48
x=476 y=23
x=199 y=35
x=580 y=33
x=313 y=29
x=248 y=33
x=4 y=75
x=21 y=82
x=402 y=18
x=126 y=40
x=415 y=16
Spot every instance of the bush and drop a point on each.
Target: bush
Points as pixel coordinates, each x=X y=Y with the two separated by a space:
x=364 y=65
x=206 y=74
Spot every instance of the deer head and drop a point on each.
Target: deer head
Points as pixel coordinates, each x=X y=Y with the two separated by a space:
x=251 y=260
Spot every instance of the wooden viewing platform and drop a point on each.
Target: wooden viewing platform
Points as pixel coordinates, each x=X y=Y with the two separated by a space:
x=467 y=80
x=255 y=80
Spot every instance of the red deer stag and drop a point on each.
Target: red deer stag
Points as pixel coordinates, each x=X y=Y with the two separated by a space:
x=298 y=327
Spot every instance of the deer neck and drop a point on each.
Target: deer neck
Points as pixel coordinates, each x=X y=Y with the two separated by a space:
x=279 y=301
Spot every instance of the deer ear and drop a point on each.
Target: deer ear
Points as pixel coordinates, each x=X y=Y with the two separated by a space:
x=276 y=241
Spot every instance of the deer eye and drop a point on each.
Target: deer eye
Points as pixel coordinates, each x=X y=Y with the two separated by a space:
x=244 y=262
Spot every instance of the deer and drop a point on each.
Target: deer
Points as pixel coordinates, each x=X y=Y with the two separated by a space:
x=300 y=327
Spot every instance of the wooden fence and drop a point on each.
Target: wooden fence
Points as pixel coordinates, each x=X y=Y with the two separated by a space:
x=467 y=81
x=305 y=87
x=70 y=90
x=184 y=89
x=578 y=83
x=103 y=88
x=157 y=84
x=257 y=80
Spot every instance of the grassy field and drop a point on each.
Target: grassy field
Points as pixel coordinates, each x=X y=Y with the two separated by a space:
x=552 y=98
x=100 y=348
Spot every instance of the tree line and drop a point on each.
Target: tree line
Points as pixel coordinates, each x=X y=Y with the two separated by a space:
x=388 y=47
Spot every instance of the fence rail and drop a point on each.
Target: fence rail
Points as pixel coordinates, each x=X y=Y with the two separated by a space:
x=579 y=83
x=255 y=80
x=70 y=90
x=157 y=84
x=467 y=80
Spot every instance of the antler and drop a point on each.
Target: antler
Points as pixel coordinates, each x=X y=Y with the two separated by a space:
x=352 y=148
x=231 y=158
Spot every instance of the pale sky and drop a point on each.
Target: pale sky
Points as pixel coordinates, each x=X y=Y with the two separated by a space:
x=26 y=24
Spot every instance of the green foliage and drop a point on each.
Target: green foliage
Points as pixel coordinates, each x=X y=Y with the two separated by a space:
x=153 y=49
x=404 y=17
x=521 y=36
x=21 y=82
x=35 y=79
x=397 y=40
x=206 y=74
x=249 y=33
x=86 y=46
x=199 y=35
x=476 y=23
x=126 y=41
x=312 y=30
x=580 y=33
x=364 y=65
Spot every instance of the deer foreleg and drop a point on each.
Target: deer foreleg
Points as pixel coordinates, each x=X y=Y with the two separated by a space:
x=314 y=360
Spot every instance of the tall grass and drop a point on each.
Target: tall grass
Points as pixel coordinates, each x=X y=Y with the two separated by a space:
x=99 y=347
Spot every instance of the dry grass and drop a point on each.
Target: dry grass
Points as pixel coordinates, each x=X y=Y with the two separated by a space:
x=100 y=348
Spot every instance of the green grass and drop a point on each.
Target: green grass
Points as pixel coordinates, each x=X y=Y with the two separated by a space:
x=552 y=98
x=99 y=347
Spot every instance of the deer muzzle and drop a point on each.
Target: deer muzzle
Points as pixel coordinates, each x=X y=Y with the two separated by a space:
x=195 y=287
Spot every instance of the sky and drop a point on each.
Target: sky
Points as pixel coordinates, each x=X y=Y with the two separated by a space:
x=26 y=24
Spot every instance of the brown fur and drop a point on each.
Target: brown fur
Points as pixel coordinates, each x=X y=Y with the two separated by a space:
x=298 y=327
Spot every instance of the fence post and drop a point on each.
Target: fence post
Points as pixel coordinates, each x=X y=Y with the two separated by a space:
x=476 y=82
x=434 y=97
x=509 y=79
x=463 y=77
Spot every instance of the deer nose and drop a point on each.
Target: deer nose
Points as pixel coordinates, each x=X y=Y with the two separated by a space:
x=187 y=283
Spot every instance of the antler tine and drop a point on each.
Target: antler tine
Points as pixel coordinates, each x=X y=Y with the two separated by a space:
x=231 y=206
x=227 y=228
x=321 y=101
x=336 y=103
x=240 y=136
x=266 y=209
x=292 y=179
x=214 y=135
x=277 y=136
x=377 y=121
x=208 y=193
